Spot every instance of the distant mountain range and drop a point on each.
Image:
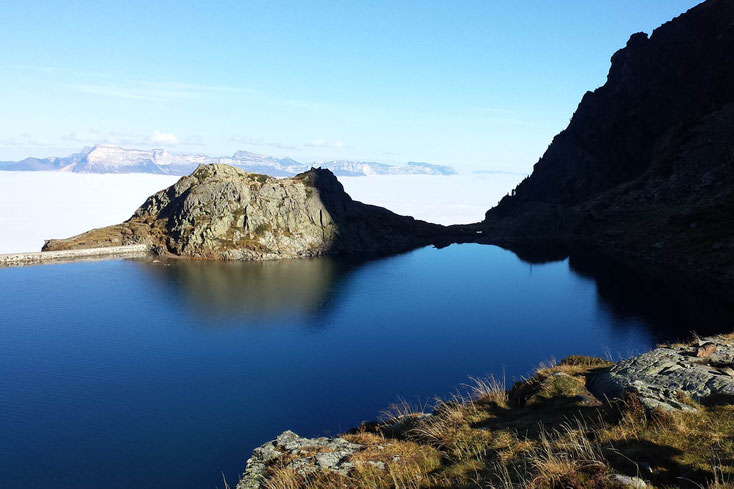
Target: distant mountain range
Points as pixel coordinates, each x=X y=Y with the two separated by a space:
x=104 y=158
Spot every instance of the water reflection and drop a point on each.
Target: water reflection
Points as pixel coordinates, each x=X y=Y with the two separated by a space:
x=254 y=290
x=670 y=304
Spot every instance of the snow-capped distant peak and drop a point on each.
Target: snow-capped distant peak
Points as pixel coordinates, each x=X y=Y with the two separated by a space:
x=107 y=158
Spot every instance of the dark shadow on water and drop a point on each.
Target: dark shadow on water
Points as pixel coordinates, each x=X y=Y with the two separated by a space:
x=671 y=305
x=255 y=291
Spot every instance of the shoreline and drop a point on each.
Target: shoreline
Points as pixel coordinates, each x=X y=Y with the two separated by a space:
x=581 y=423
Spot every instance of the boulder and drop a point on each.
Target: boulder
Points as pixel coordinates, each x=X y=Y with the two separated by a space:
x=631 y=482
x=667 y=377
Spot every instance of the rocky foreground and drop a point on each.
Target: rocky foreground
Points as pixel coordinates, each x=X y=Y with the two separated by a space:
x=661 y=419
x=667 y=377
x=221 y=212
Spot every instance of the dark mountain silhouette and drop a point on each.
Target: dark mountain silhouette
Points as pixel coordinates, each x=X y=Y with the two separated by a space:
x=645 y=167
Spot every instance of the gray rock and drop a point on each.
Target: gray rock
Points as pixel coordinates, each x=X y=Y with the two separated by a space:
x=665 y=376
x=221 y=212
x=304 y=456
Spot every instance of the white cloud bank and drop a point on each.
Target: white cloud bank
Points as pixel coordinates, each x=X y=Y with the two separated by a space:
x=34 y=209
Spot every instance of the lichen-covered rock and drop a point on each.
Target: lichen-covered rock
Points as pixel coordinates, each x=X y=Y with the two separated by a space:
x=221 y=212
x=303 y=455
x=666 y=377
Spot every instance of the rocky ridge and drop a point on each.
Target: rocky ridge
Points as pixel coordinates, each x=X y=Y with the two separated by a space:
x=644 y=167
x=669 y=376
x=221 y=212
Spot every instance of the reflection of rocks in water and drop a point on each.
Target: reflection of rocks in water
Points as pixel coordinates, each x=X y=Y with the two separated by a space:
x=671 y=304
x=254 y=290
x=539 y=252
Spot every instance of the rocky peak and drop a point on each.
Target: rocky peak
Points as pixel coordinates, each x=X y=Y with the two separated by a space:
x=644 y=166
x=222 y=212
x=653 y=85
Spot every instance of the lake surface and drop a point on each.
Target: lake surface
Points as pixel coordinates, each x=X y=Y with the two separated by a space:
x=129 y=374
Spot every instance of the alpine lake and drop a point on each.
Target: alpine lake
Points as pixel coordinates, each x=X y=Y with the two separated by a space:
x=166 y=374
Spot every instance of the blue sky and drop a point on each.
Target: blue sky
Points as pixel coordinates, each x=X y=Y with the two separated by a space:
x=473 y=84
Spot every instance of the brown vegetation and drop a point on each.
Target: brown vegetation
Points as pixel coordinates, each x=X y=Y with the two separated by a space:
x=545 y=432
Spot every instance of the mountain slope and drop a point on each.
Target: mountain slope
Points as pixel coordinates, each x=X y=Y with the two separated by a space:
x=222 y=212
x=644 y=168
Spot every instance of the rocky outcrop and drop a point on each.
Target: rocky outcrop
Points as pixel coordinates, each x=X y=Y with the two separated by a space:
x=336 y=456
x=670 y=376
x=302 y=455
x=221 y=212
x=580 y=399
x=644 y=167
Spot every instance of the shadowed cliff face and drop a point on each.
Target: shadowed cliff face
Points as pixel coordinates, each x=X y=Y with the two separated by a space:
x=645 y=165
x=221 y=212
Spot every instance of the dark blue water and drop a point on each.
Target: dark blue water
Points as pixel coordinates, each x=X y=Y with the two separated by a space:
x=129 y=374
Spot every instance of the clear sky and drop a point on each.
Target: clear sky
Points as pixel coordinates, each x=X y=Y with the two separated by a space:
x=473 y=84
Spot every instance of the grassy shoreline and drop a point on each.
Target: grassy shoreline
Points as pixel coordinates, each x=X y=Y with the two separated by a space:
x=547 y=431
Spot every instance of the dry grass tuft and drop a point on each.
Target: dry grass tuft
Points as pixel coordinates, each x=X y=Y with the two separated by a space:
x=488 y=390
x=284 y=478
x=567 y=458
x=400 y=410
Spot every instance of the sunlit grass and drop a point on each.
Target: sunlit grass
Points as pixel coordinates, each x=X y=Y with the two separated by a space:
x=547 y=431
